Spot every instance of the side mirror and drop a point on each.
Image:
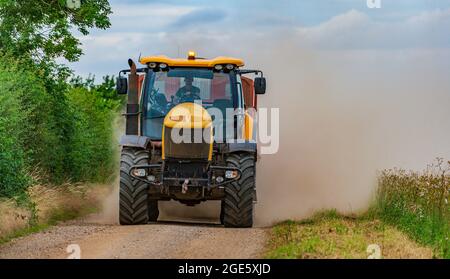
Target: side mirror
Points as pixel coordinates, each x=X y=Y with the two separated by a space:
x=260 y=85
x=122 y=85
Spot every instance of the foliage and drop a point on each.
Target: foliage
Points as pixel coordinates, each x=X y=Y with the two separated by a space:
x=91 y=148
x=41 y=29
x=13 y=179
x=23 y=108
x=418 y=204
x=105 y=90
x=45 y=123
x=61 y=130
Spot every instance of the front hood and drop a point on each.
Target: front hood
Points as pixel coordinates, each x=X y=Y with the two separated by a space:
x=188 y=115
x=186 y=118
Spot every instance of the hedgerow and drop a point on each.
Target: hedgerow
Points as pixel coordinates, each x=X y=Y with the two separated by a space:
x=61 y=130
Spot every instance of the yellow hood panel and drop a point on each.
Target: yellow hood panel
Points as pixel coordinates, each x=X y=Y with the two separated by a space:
x=188 y=115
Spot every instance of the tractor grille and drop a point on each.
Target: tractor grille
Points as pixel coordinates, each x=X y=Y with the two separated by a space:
x=186 y=149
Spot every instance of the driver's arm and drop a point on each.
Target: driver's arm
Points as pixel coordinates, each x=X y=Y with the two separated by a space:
x=195 y=90
x=180 y=92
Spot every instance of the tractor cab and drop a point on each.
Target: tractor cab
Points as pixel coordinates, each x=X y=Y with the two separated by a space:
x=192 y=122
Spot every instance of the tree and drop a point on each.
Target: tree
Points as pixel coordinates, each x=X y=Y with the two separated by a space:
x=41 y=29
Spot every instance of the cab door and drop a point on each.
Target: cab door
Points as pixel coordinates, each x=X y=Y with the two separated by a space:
x=250 y=104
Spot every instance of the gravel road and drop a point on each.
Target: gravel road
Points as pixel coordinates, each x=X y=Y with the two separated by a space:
x=166 y=239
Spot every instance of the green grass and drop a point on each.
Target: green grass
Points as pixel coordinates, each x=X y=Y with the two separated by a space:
x=330 y=235
x=62 y=214
x=57 y=216
x=417 y=204
x=24 y=232
x=430 y=230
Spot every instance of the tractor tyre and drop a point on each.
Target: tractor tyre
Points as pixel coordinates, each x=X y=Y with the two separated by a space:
x=153 y=211
x=237 y=205
x=221 y=213
x=133 y=197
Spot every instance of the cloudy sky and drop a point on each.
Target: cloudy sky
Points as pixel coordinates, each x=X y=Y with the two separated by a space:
x=230 y=27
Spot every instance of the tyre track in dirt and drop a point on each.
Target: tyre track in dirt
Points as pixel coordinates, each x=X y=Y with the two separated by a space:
x=167 y=239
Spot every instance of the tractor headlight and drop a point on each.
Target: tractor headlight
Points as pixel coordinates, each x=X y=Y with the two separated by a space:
x=218 y=67
x=139 y=172
x=229 y=174
x=162 y=65
x=152 y=65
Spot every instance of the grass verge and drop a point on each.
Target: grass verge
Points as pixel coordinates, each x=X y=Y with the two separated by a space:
x=330 y=235
x=410 y=218
x=417 y=203
x=47 y=206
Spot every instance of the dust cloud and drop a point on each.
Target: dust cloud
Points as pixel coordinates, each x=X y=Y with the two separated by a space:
x=344 y=115
x=109 y=213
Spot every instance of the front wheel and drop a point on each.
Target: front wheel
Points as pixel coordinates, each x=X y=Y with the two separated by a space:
x=133 y=197
x=237 y=205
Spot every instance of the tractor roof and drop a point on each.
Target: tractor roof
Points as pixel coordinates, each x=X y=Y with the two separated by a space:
x=191 y=61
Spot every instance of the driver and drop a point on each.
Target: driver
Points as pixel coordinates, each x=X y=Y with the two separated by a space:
x=188 y=91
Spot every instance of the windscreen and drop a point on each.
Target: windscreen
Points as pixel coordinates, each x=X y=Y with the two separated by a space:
x=168 y=89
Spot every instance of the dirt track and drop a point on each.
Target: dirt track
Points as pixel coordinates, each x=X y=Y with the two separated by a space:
x=160 y=240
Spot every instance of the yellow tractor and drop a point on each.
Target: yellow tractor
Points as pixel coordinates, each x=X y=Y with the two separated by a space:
x=189 y=137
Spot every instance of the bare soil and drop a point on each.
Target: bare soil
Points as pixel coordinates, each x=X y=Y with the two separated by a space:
x=167 y=239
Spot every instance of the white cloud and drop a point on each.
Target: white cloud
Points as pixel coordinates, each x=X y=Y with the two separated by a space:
x=146 y=17
x=150 y=10
x=136 y=30
x=355 y=30
x=440 y=17
x=341 y=29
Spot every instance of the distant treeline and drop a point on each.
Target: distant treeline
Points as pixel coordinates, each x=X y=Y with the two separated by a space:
x=53 y=127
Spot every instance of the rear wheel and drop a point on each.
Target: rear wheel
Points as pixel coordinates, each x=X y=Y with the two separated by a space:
x=237 y=205
x=133 y=197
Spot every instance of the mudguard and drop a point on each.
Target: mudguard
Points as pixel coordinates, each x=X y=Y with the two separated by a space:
x=247 y=146
x=134 y=141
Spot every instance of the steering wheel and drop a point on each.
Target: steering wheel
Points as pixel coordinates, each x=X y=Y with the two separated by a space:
x=189 y=98
x=154 y=92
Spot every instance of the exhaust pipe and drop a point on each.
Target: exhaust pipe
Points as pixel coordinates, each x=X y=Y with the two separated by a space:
x=132 y=115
